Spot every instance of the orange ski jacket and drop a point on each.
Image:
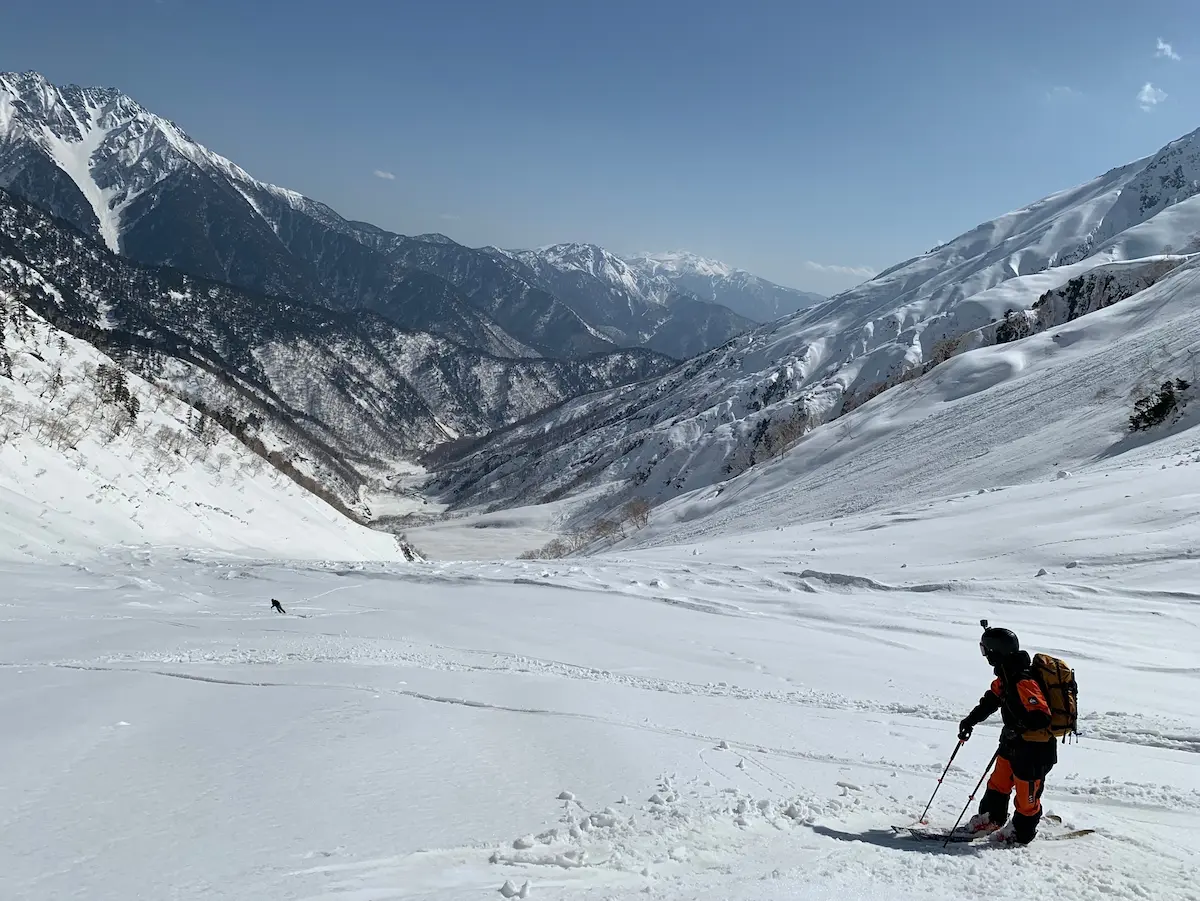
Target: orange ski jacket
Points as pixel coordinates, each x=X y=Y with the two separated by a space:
x=1019 y=698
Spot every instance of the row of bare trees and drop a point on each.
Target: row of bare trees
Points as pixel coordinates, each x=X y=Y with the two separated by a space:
x=769 y=440
x=97 y=402
x=633 y=514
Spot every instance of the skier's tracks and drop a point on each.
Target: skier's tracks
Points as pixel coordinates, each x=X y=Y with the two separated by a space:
x=503 y=708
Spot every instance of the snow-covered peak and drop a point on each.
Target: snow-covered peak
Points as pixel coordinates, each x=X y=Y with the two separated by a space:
x=111 y=147
x=592 y=259
x=63 y=107
x=682 y=262
x=717 y=282
x=1170 y=177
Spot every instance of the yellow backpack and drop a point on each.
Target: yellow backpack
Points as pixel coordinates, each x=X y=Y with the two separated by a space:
x=1057 y=680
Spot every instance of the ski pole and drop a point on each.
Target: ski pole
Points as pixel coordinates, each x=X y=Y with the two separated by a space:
x=957 y=747
x=972 y=798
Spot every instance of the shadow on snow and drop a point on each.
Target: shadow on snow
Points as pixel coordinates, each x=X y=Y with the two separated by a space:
x=886 y=838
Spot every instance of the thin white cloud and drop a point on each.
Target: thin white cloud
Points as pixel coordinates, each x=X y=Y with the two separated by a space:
x=1150 y=96
x=1166 y=50
x=449 y=217
x=864 y=271
x=386 y=176
x=1061 y=92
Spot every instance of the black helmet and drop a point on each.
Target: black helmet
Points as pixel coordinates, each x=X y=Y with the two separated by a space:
x=997 y=644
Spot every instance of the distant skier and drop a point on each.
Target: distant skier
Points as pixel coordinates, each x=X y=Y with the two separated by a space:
x=278 y=607
x=1028 y=750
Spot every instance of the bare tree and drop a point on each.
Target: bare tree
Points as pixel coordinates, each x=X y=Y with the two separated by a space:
x=10 y=409
x=606 y=528
x=637 y=511
x=943 y=350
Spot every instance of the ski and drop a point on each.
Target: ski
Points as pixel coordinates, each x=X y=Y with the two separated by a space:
x=919 y=832
x=932 y=835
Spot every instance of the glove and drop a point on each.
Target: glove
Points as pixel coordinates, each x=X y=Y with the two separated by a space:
x=965 y=728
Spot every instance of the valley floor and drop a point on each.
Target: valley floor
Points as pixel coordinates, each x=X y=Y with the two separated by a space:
x=742 y=718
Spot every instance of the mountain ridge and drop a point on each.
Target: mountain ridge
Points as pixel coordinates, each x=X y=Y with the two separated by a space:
x=713 y=281
x=627 y=306
x=751 y=399
x=347 y=391
x=146 y=188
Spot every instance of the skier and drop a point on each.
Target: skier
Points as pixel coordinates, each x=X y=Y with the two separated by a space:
x=1027 y=750
x=276 y=606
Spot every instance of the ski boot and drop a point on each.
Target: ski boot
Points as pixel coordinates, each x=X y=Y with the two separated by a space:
x=981 y=824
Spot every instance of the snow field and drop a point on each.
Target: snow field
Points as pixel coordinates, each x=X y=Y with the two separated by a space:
x=743 y=717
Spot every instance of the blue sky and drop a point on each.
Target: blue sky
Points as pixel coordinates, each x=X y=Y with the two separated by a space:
x=810 y=145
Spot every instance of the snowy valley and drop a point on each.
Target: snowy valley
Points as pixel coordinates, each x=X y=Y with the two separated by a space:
x=1100 y=290
x=736 y=689
x=387 y=328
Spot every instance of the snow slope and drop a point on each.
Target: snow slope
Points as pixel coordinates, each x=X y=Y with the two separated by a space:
x=743 y=718
x=1003 y=415
x=702 y=423
x=79 y=474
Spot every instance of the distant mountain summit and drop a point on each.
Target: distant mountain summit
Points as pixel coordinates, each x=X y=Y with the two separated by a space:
x=716 y=282
x=139 y=183
x=681 y=262
x=628 y=305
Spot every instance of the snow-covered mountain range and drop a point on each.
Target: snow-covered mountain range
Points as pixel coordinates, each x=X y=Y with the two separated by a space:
x=632 y=307
x=714 y=281
x=1114 y=239
x=139 y=183
x=338 y=392
x=118 y=172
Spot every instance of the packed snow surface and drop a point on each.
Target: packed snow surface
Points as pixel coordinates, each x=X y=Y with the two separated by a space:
x=740 y=717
